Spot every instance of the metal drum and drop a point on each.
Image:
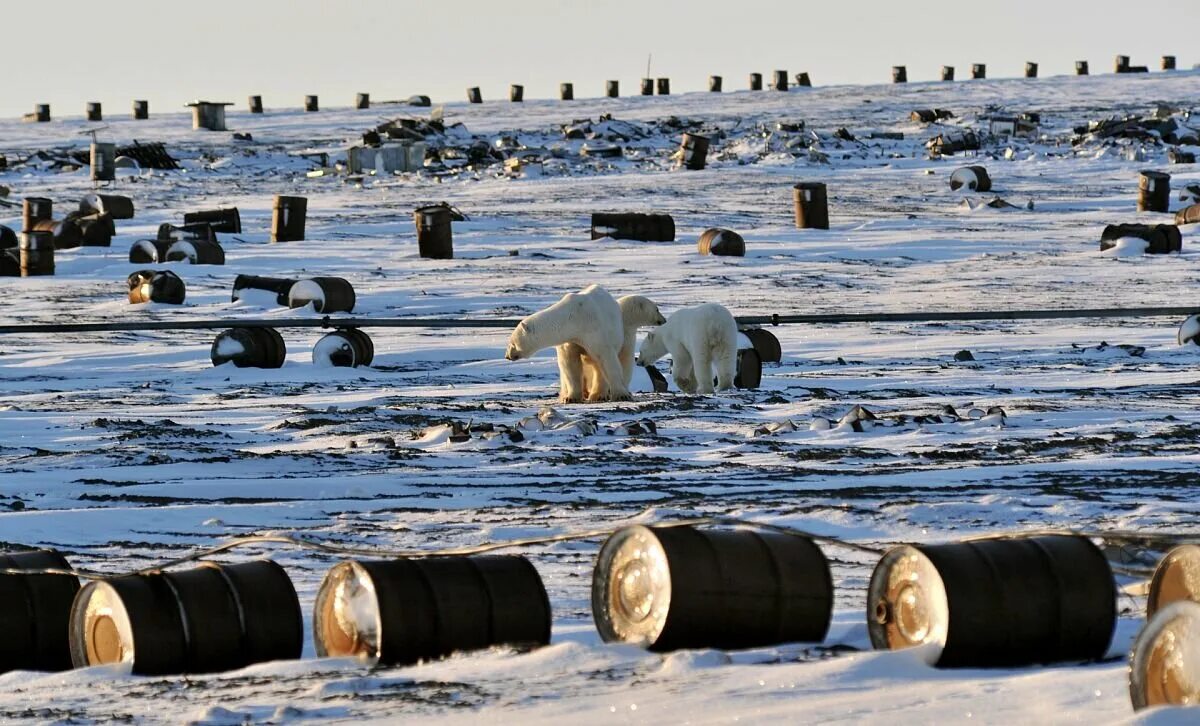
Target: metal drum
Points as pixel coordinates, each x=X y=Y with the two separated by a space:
x=34 y=210
x=693 y=151
x=972 y=178
x=156 y=286
x=947 y=73
x=93 y=112
x=1188 y=215
x=141 y=110
x=1154 y=191
x=255 y=104
x=566 y=91
x=1031 y=70
x=196 y=252
x=278 y=287
x=721 y=242
x=755 y=81
x=325 y=295
x=115 y=206
x=663 y=86
x=803 y=80
x=516 y=93
x=714 y=84
x=812 y=205
x=899 y=74
x=398 y=612
x=435 y=235
x=765 y=342
x=219 y=220
x=665 y=588
x=749 y=369
x=1121 y=64
x=1163 y=238
x=148 y=251
x=996 y=602
x=1164 y=667
x=978 y=71
x=37 y=253
x=287 y=219
x=34 y=612
x=612 y=89
x=252 y=347
x=474 y=95
x=634 y=226
x=1176 y=578
x=348 y=348
x=1081 y=68
x=780 y=81
x=311 y=104
x=647 y=87
x=41 y=113
x=362 y=101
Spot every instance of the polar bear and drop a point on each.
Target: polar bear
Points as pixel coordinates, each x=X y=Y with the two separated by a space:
x=696 y=337
x=587 y=322
x=636 y=312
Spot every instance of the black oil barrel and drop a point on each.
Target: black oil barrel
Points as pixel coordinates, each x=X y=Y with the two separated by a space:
x=1031 y=69
x=160 y=286
x=347 y=348
x=978 y=70
x=148 y=251
x=35 y=209
x=899 y=74
x=95 y=230
x=755 y=81
x=803 y=80
x=1121 y=64
x=1176 y=578
x=1188 y=215
x=474 y=95
x=141 y=110
x=255 y=104
x=1154 y=191
x=114 y=205
x=612 y=89
x=220 y=220
x=198 y=230
x=209 y=619
x=972 y=178
x=278 y=286
x=765 y=342
x=923 y=115
x=35 y=611
x=1168 y=62
x=37 y=253
x=566 y=91
x=10 y=263
x=435 y=235
x=812 y=205
x=1081 y=68
x=8 y=238
x=398 y=612
x=721 y=242
x=693 y=152
x=93 y=112
x=1181 y=157
x=780 y=82
x=311 y=104
x=1163 y=667
x=666 y=588
x=714 y=84
x=749 y=369
x=66 y=232
x=663 y=86
x=995 y=603
x=516 y=93
x=362 y=101
x=196 y=252
x=325 y=294
x=253 y=347
x=947 y=73
x=1163 y=238
x=633 y=226
x=287 y=219
x=41 y=112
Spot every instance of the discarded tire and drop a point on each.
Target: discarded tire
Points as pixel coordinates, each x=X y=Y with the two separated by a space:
x=219 y=220
x=665 y=588
x=1188 y=215
x=1163 y=239
x=749 y=369
x=693 y=151
x=973 y=178
x=196 y=252
x=397 y=612
x=1154 y=191
x=209 y=619
x=148 y=251
x=277 y=287
x=1163 y=666
x=1176 y=578
x=721 y=242
x=156 y=286
x=252 y=347
x=811 y=205
x=325 y=295
x=435 y=235
x=349 y=348
x=35 y=611
x=288 y=218
x=37 y=253
x=995 y=603
x=765 y=342
x=115 y=206
x=634 y=226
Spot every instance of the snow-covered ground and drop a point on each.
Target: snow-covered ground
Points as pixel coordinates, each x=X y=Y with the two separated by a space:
x=128 y=448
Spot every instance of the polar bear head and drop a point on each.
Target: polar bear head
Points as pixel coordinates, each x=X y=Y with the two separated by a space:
x=638 y=311
x=519 y=343
x=652 y=349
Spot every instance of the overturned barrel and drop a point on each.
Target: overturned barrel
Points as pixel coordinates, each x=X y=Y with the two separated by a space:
x=765 y=342
x=347 y=348
x=1176 y=156
x=148 y=251
x=612 y=89
x=1176 y=578
x=37 y=253
x=288 y=215
x=141 y=110
x=811 y=205
x=95 y=230
x=899 y=74
x=1081 y=68
x=35 y=610
x=566 y=91
x=1188 y=215
x=972 y=178
x=210 y=619
x=995 y=603
x=748 y=374
x=325 y=295
x=721 y=242
x=116 y=206
x=1164 y=666
x=755 y=81
x=251 y=347
x=780 y=81
x=1154 y=191
x=276 y=289
x=160 y=286
x=516 y=93
x=34 y=210
x=665 y=588
x=219 y=220
x=714 y=84
x=435 y=234
x=1162 y=239
x=93 y=112
x=66 y=232
x=663 y=86
x=255 y=104
x=693 y=152
x=196 y=252
x=311 y=104
x=8 y=238
x=474 y=95
x=633 y=226
x=397 y=612
x=947 y=73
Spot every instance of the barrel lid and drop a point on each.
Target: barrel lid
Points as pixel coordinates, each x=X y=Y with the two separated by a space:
x=101 y=630
x=1177 y=577
x=907 y=606
x=346 y=617
x=631 y=587
x=1164 y=667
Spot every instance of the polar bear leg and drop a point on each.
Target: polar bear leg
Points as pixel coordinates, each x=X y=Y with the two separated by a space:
x=682 y=370
x=611 y=385
x=726 y=369
x=702 y=367
x=570 y=371
x=591 y=379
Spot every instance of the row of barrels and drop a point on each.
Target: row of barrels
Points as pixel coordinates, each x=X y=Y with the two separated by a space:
x=1121 y=64
x=1003 y=602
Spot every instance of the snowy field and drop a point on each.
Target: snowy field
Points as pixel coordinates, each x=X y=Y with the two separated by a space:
x=123 y=449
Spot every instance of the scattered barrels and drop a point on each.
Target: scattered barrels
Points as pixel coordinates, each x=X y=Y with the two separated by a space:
x=516 y=93
x=971 y=178
x=663 y=86
x=348 y=348
x=612 y=89
x=566 y=91
x=693 y=151
x=633 y=226
x=947 y=73
x=714 y=84
x=196 y=252
x=219 y=220
x=435 y=234
x=325 y=295
x=35 y=610
x=755 y=81
x=722 y=243
x=665 y=588
x=811 y=205
x=1176 y=578
x=311 y=104
x=1162 y=239
x=141 y=110
x=210 y=619
x=36 y=253
x=160 y=286
x=995 y=603
x=474 y=95
x=399 y=612
x=115 y=206
x=1154 y=191
x=899 y=74
x=249 y=347
x=288 y=216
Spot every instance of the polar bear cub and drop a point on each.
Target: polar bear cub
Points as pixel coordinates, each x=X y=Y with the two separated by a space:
x=583 y=323
x=697 y=338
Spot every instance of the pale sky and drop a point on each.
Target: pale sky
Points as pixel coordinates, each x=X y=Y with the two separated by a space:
x=67 y=52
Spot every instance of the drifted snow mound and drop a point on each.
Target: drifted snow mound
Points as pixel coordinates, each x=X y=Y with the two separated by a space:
x=1128 y=247
x=307 y=292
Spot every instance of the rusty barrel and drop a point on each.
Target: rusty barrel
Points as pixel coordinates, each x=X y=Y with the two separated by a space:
x=346 y=348
x=277 y=287
x=41 y=112
x=311 y=104
x=612 y=89
x=812 y=205
x=1154 y=191
x=947 y=73
x=1081 y=68
x=663 y=86
x=647 y=87
x=148 y=251
x=1168 y=62
x=1188 y=215
x=37 y=253
x=399 y=612
x=325 y=295
x=996 y=602
x=516 y=93
x=116 y=206
x=633 y=226
x=252 y=347
x=1176 y=578
x=34 y=210
x=978 y=70
x=35 y=610
x=1163 y=238
x=780 y=81
x=209 y=619
x=92 y=111
x=972 y=178
x=160 y=286
x=255 y=104
x=748 y=374
x=220 y=220
x=765 y=342
x=1164 y=666
x=566 y=91
x=141 y=110
x=362 y=101
x=196 y=252
x=714 y=84
x=435 y=235
x=693 y=151
x=665 y=588
x=721 y=242
x=103 y=160
x=474 y=95
x=1031 y=69
x=899 y=74
x=755 y=81
x=287 y=218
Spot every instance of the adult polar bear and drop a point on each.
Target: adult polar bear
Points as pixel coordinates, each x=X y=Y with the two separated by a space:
x=589 y=332
x=696 y=338
x=636 y=312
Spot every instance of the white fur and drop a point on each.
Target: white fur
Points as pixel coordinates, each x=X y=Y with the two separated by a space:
x=697 y=338
x=587 y=323
x=636 y=312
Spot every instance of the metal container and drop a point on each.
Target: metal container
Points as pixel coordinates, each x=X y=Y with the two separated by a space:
x=1181 y=157
x=663 y=85
x=347 y=348
x=1081 y=68
x=1163 y=238
x=714 y=84
x=978 y=70
x=665 y=588
x=209 y=619
x=196 y=252
x=156 y=286
x=996 y=602
x=765 y=342
x=721 y=242
x=255 y=104
x=33 y=210
x=1163 y=668
x=65 y=232
x=280 y=287
x=803 y=80
x=748 y=374
x=755 y=81
x=947 y=73
x=287 y=219
x=311 y=104
x=115 y=206
x=1154 y=192
x=435 y=235
x=219 y=220
x=780 y=82
x=647 y=86
x=37 y=253
x=633 y=226
x=34 y=611
x=41 y=113
x=103 y=160
x=972 y=178
x=10 y=262
x=566 y=91
x=693 y=152
x=95 y=230
x=8 y=238
x=1176 y=578
x=474 y=95
x=1168 y=62
x=325 y=294
x=141 y=110
x=1031 y=69
x=148 y=251
x=1121 y=64
x=812 y=205
x=1188 y=215
x=93 y=112
x=210 y=115
x=253 y=347
x=362 y=101
x=516 y=93
x=399 y=612
x=899 y=74
x=612 y=89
